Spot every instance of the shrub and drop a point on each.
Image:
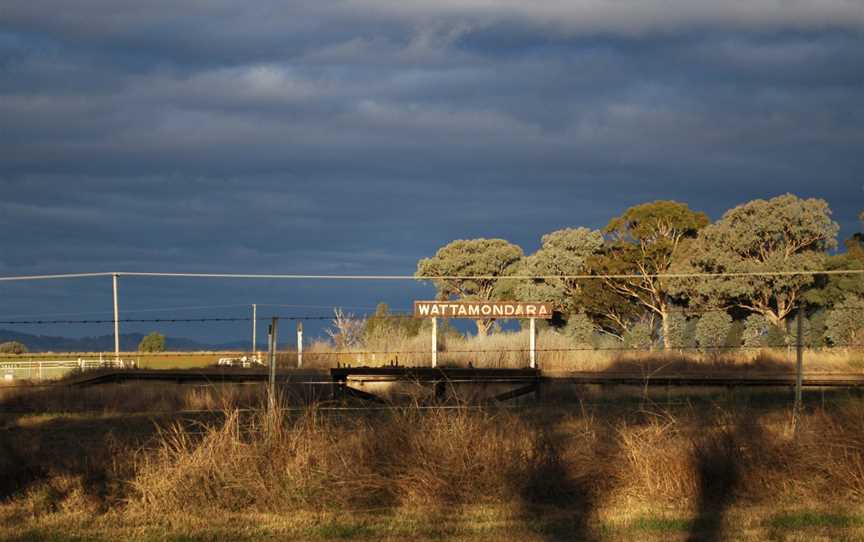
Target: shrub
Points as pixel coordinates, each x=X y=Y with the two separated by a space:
x=153 y=342
x=678 y=336
x=776 y=337
x=580 y=328
x=386 y=325
x=712 y=329
x=13 y=347
x=639 y=336
x=735 y=337
x=843 y=323
x=755 y=331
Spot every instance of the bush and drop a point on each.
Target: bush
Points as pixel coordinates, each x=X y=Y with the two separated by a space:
x=639 y=336
x=755 y=331
x=385 y=325
x=776 y=337
x=13 y=347
x=153 y=342
x=580 y=328
x=816 y=336
x=843 y=324
x=712 y=329
x=735 y=337
x=678 y=336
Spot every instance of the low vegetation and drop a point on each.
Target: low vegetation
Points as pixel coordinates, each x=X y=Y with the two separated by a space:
x=475 y=474
x=558 y=351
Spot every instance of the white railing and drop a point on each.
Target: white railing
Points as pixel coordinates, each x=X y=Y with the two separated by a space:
x=47 y=368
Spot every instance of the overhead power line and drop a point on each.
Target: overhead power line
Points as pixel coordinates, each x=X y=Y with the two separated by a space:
x=445 y=277
x=157 y=320
x=391 y=316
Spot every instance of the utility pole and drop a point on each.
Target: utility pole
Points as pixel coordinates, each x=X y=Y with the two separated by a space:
x=272 y=379
x=116 y=321
x=254 y=332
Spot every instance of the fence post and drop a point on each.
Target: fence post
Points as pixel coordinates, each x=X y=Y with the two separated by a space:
x=299 y=344
x=532 y=343
x=271 y=395
x=434 y=342
x=116 y=320
x=254 y=331
x=799 y=365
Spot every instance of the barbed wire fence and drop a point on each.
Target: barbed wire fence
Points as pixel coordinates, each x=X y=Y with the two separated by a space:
x=555 y=351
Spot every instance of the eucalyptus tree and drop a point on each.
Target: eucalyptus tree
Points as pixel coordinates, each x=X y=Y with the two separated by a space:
x=563 y=254
x=489 y=260
x=781 y=234
x=646 y=241
x=844 y=323
x=152 y=342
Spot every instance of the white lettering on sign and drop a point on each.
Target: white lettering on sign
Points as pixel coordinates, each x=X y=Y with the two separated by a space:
x=482 y=309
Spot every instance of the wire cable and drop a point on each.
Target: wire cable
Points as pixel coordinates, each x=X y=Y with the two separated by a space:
x=441 y=277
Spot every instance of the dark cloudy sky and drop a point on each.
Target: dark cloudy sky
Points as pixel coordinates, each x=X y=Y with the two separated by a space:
x=358 y=136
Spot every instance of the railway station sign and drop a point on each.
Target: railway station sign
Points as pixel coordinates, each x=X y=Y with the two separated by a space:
x=482 y=309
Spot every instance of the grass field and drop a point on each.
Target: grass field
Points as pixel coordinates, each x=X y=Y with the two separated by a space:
x=563 y=470
x=165 y=461
x=464 y=523
x=28 y=368
x=555 y=352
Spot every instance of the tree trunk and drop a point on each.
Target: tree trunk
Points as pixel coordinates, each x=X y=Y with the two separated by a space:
x=483 y=326
x=665 y=326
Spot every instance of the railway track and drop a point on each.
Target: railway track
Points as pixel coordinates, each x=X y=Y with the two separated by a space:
x=422 y=374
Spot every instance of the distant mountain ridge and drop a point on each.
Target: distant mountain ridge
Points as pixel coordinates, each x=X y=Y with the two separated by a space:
x=105 y=343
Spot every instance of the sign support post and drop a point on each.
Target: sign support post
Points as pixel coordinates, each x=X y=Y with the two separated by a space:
x=484 y=310
x=434 y=342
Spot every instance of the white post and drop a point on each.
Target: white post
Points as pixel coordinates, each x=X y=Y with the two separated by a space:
x=299 y=344
x=533 y=344
x=254 y=331
x=434 y=342
x=116 y=321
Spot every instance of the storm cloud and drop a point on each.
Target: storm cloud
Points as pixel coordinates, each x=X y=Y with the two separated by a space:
x=359 y=136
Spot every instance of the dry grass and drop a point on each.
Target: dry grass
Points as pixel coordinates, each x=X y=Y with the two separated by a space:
x=557 y=352
x=129 y=398
x=548 y=474
x=409 y=458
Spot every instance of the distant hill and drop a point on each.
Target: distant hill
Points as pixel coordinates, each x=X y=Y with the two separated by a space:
x=105 y=343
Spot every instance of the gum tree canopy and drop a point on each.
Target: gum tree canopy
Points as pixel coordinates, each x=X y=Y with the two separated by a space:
x=490 y=258
x=563 y=252
x=785 y=233
x=646 y=240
